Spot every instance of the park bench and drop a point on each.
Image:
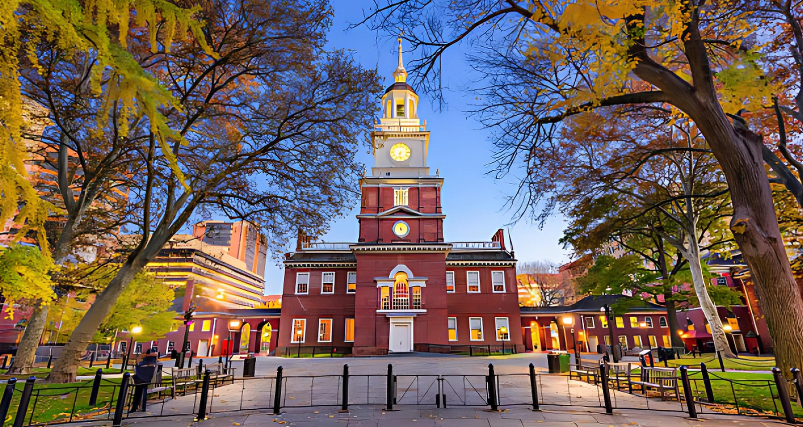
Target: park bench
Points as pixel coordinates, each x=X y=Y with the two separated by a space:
x=184 y=379
x=218 y=374
x=618 y=374
x=660 y=379
x=635 y=351
x=157 y=386
x=590 y=372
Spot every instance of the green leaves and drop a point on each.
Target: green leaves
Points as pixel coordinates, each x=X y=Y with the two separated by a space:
x=25 y=275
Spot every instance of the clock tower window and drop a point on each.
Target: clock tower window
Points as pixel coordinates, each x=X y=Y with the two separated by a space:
x=401 y=196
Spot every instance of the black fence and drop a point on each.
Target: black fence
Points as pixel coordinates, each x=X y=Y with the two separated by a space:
x=313 y=351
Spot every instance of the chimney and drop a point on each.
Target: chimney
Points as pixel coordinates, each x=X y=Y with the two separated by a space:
x=499 y=236
x=302 y=241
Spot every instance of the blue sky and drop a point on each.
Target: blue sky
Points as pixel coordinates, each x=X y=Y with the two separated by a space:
x=473 y=201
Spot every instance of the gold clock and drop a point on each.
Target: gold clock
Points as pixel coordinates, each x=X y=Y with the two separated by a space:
x=401 y=229
x=400 y=152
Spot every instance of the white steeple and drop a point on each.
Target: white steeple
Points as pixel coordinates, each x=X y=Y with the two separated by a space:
x=400 y=75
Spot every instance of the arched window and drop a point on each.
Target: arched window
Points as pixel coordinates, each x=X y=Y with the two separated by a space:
x=267 y=330
x=401 y=292
x=245 y=338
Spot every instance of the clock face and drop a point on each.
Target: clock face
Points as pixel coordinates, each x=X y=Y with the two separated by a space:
x=400 y=228
x=400 y=152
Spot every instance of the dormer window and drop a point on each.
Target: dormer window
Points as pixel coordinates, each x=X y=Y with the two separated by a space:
x=400 y=108
x=400 y=196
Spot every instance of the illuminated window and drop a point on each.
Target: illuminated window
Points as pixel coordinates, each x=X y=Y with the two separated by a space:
x=302 y=283
x=637 y=341
x=452 y=329
x=170 y=346
x=707 y=327
x=607 y=339
x=416 y=297
x=620 y=322
x=604 y=321
x=351 y=286
x=450 y=281
x=328 y=282
x=475 y=325
x=207 y=326
x=192 y=326
x=473 y=278
x=299 y=329
x=498 y=281
x=623 y=341
x=653 y=341
x=502 y=329
x=384 y=298
x=324 y=330
x=400 y=196
x=400 y=108
x=349 y=330
x=648 y=320
x=589 y=322
x=634 y=322
x=401 y=292
x=662 y=321
x=667 y=342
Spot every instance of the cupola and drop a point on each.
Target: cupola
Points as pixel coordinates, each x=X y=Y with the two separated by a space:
x=400 y=100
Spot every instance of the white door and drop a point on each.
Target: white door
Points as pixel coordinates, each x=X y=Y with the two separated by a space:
x=400 y=338
x=203 y=348
x=592 y=343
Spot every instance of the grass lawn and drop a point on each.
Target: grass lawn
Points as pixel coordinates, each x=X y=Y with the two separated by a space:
x=743 y=363
x=55 y=402
x=41 y=373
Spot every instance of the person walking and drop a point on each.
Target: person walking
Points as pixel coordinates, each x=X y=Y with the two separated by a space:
x=143 y=376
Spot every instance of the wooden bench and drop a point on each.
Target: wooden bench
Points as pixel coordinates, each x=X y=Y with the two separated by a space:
x=218 y=374
x=660 y=379
x=183 y=379
x=590 y=372
x=618 y=374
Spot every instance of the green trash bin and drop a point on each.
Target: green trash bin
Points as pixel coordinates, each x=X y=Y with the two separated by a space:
x=564 y=359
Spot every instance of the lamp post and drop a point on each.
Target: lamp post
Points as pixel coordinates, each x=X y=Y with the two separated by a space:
x=503 y=333
x=187 y=323
x=299 y=331
x=136 y=330
x=607 y=309
x=569 y=321
x=234 y=324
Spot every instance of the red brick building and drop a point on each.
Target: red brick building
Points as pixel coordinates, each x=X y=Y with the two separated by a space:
x=399 y=287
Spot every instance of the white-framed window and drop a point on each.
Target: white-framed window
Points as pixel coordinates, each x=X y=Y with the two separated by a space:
x=637 y=341
x=349 y=336
x=473 y=282
x=662 y=321
x=498 y=281
x=351 y=282
x=206 y=326
x=401 y=196
x=607 y=339
x=170 y=346
x=416 y=294
x=475 y=326
x=502 y=329
x=653 y=341
x=667 y=341
x=620 y=322
x=138 y=348
x=450 y=281
x=589 y=322
x=299 y=330
x=302 y=283
x=623 y=341
x=648 y=320
x=328 y=282
x=452 y=329
x=324 y=330
x=634 y=322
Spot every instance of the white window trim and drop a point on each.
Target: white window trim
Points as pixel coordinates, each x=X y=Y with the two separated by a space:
x=454 y=287
x=293 y=332
x=482 y=331
x=455 y=328
x=297 y=283
x=507 y=325
x=399 y=196
x=504 y=287
x=348 y=282
x=654 y=338
x=320 y=321
x=663 y=324
x=346 y=330
x=322 y=282
x=203 y=325
x=619 y=340
x=468 y=283
x=649 y=322
x=590 y=325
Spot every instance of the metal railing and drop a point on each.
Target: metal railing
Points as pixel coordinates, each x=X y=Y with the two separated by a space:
x=476 y=245
x=326 y=246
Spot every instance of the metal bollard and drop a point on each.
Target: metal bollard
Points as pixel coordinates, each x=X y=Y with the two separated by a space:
x=709 y=392
x=344 y=407
x=109 y=360
x=606 y=394
x=389 y=403
x=121 y=398
x=91 y=359
x=492 y=388
x=204 y=397
x=49 y=361
x=783 y=394
x=8 y=394
x=189 y=360
x=25 y=399
x=798 y=384
x=688 y=394
x=721 y=363
x=200 y=367
x=533 y=388
x=5 y=362
x=93 y=397
x=277 y=396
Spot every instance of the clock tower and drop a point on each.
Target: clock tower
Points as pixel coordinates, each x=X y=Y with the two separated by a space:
x=400 y=198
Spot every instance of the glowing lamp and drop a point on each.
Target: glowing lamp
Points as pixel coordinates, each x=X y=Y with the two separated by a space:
x=136 y=330
x=642 y=325
x=568 y=320
x=727 y=328
x=234 y=324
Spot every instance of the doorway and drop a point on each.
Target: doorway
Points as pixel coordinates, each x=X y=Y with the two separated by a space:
x=535 y=335
x=203 y=347
x=593 y=343
x=738 y=341
x=401 y=335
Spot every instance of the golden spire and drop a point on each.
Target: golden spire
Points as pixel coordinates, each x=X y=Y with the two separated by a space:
x=400 y=75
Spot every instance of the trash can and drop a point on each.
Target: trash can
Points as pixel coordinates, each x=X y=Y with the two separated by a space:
x=553 y=363
x=564 y=360
x=249 y=366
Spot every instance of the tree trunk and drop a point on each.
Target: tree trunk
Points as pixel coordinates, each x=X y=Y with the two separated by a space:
x=65 y=367
x=692 y=254
x=26 y=351
x=672 y=319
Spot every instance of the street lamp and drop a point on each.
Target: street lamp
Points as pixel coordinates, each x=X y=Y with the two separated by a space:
x=503 y=332
x=299 y=331
x=234 y=325
x=607 y=310
x=569 y=321
x=187 y=323
x=136 y=330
